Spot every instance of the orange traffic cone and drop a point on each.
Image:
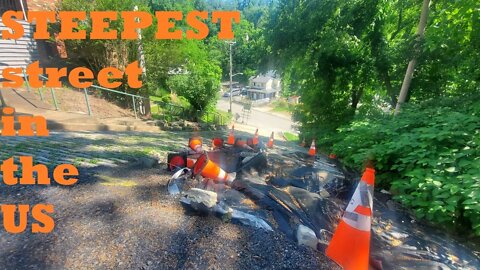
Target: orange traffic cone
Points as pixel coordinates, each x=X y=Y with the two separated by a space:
x=255 y=138
x=231 y=137
x=270 y=141
x=209 y=169
x=217 y=143
x=176 y=161
x=242 y=144
x=195 y=144
x=313 y=151
x=190 y=162
x=350 y=245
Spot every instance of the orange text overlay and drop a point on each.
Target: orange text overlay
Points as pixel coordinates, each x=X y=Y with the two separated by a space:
x=15 y=217
x=164 y=21
x=80 y=77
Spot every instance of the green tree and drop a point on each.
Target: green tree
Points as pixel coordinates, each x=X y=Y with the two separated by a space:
x=199 y=79
x=411 y=65
x=341 y=54
x=325 y=55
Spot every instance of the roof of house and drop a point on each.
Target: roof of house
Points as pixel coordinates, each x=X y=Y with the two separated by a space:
x=265 y=77
x=262 y=79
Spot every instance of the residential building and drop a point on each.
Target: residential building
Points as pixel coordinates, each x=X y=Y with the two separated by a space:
x=21 y=52
x=264 y=86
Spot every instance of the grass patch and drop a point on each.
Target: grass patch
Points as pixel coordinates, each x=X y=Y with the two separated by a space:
x=291 y=137
x=226 y=116
x=154 y=108
x=93 y=161
x=111 y=181
x=282 y=106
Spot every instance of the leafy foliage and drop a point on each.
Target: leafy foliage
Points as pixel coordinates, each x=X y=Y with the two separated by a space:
x=339 y=54
x=429 y=156
x=326 y=56
x=200 y=83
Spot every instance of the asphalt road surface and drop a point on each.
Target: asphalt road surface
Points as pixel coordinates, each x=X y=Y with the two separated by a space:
x=258 y=118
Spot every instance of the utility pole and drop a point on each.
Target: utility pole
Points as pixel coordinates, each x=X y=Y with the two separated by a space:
x=231 y=75
x=411 y=65
x=141 y=61
x=141 y=56
x=23 y=10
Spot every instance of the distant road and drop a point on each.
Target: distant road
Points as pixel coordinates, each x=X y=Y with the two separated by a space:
x=258 y=118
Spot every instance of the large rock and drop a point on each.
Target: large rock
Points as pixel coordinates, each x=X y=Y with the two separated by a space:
x=306 y=237
x=200 y=200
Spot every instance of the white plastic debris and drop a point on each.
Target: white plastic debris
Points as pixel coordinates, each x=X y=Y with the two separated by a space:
x=172 y=185
x=250 y=220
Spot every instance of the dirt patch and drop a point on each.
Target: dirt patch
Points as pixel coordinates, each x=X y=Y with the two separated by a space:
x=73 y=100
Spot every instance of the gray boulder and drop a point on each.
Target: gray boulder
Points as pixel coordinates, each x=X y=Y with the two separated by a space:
x=306 y=237
x=200 y=200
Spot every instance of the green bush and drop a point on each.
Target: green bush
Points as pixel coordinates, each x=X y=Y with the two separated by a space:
x=213 y=116
x=182 y=102
x=428 y=156
x=170 y=107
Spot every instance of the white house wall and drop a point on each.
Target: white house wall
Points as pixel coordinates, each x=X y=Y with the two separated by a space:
x=18 y=53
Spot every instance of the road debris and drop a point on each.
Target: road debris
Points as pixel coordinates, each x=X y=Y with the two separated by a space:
x=304 y=197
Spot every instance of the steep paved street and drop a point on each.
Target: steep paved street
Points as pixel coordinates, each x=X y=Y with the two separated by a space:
x=264 y=120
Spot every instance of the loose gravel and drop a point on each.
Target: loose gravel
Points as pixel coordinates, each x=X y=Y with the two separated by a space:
x=123 y=218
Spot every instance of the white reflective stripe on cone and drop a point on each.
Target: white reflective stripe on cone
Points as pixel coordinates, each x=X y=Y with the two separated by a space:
x=357 y=197
x=366 y=197
x=354 y=219
x=222 y=175
x=357 y=221
x=230 y=178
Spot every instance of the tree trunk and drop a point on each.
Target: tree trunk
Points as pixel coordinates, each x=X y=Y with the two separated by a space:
x=356 y=95
x=388 y=85
x=411 y=65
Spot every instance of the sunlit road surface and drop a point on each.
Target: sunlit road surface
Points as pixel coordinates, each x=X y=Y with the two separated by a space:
x=265 y=121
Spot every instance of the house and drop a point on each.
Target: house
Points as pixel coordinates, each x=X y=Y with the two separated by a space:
x=264 y=86
x=21 y=52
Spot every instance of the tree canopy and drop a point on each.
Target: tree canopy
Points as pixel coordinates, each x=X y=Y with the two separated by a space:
x=351 y=53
